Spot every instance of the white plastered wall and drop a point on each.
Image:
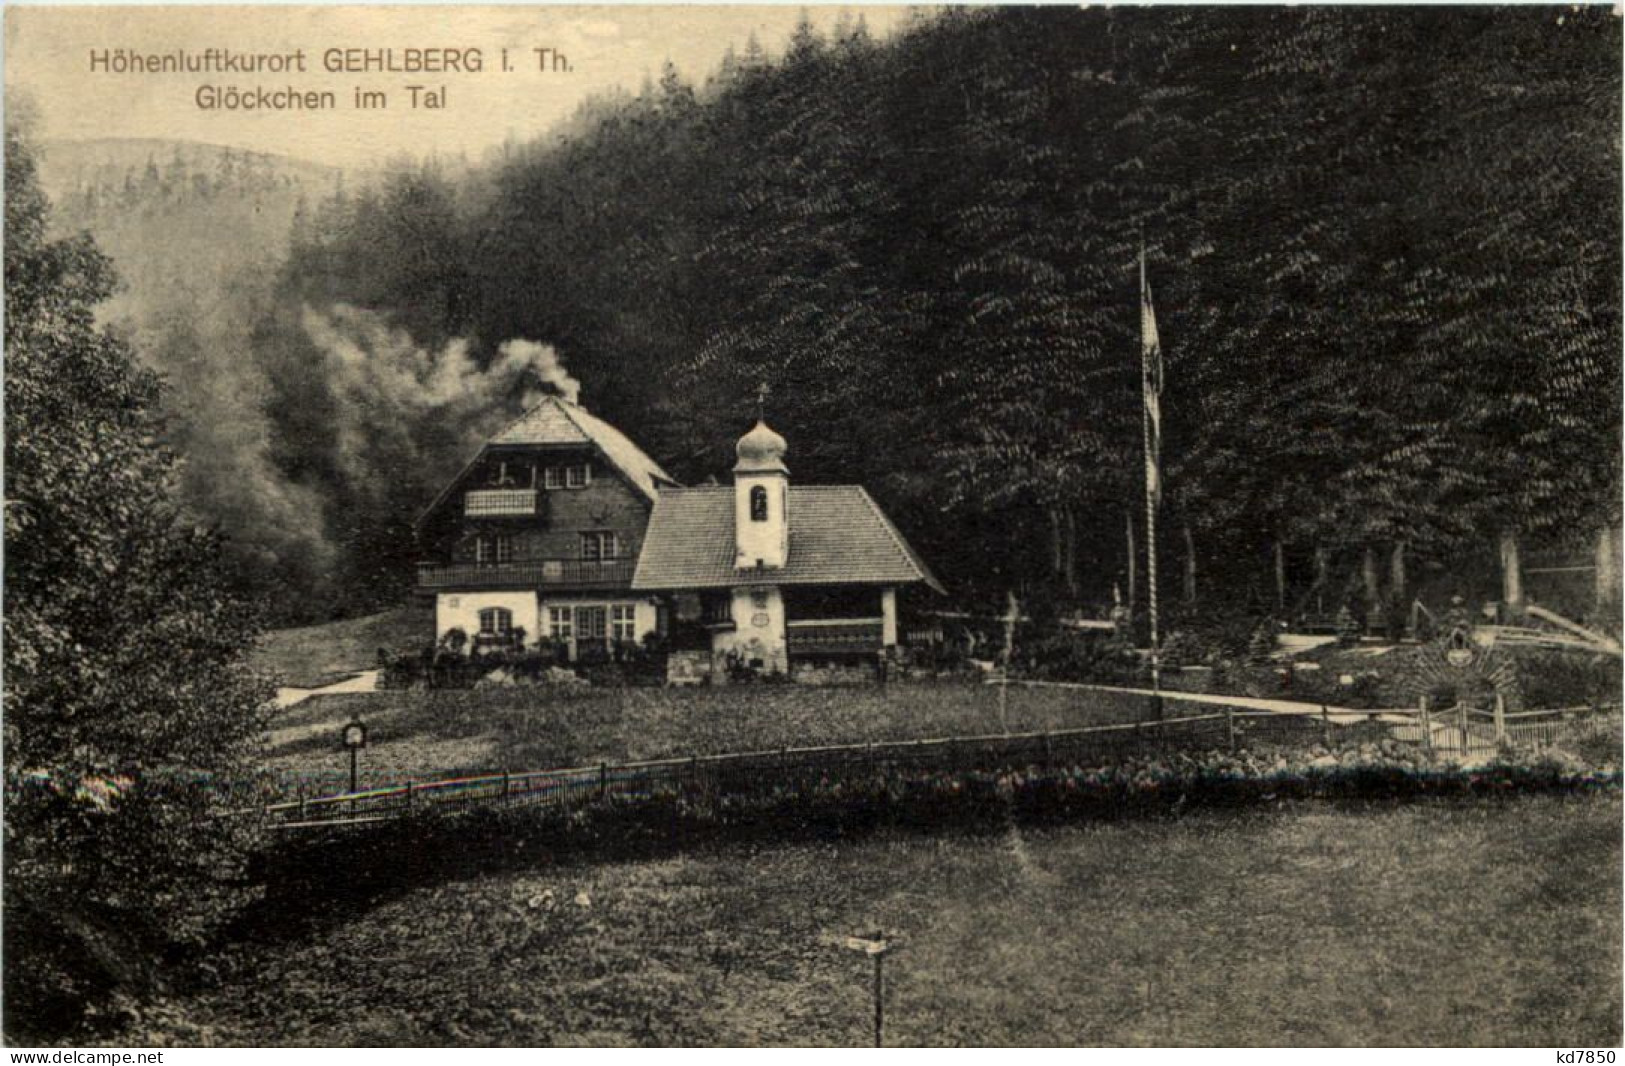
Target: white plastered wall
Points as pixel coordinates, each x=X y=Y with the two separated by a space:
x=461 y=610
x=758 y=631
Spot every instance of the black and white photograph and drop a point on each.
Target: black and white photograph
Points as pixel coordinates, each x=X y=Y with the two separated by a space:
x=665 y=526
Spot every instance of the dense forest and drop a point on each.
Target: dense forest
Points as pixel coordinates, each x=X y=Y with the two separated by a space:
x=1383 y=246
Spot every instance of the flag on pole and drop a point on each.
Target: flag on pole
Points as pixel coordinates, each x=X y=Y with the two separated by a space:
x=1151 y=387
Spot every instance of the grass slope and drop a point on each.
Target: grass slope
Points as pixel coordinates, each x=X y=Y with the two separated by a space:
x=1491 y=922
x=316 y=655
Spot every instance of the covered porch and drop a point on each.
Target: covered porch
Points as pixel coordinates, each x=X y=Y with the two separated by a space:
x=839 y=634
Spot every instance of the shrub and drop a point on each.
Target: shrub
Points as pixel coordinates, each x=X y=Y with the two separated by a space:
x=1209 y=635
x=936 y=657
x=1067 y=656
x=1261 y=645
x=1348 y=627
x=1568 y=679
x=1183 y=648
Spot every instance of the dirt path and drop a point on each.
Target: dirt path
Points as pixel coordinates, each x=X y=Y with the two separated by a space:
x=365 y=681
x=1404 y=726
x=1252 y=703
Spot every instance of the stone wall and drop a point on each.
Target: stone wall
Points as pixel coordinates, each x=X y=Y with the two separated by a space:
x=833 y=672
x=688 y=668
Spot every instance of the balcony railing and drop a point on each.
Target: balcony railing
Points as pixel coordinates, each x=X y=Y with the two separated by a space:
x=835 y=636
x=527 y=574
x=502 y=503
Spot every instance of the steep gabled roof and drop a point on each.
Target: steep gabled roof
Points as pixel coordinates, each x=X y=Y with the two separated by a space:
x=838 y=536
x=556 y=421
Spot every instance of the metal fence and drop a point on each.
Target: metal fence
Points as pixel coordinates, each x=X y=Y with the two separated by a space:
x=744 y=773
x=579 y=786
x=1468 y=733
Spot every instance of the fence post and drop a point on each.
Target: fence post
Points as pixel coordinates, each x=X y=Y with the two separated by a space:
x=409 y=795
x=1500 y=720
x=1427 y=725
x=301 y=801
x=1325 y=728
x=1230 y=726
x=507 y=784
x=603 y=780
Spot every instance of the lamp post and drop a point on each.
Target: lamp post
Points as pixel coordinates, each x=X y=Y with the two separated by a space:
x=876 y=946
x=355 y=738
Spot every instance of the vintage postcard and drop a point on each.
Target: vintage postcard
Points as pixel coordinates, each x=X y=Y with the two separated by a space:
x=782 y=526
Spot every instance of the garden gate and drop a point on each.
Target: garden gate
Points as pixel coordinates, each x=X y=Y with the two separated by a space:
x=1465 y=688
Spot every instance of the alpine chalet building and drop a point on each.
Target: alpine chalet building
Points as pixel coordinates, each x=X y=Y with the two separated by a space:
x=539 y=534
x=561 y=529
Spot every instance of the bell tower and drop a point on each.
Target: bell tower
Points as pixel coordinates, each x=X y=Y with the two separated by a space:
x=761 y=500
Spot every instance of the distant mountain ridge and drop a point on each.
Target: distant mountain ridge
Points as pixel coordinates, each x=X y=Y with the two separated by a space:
x=67 y=165
x=181 y=220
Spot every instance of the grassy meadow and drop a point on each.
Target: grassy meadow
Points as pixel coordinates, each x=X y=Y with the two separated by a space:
x=421 y=734
x=310 y=656
x=1491 y=921
x=1483 y=922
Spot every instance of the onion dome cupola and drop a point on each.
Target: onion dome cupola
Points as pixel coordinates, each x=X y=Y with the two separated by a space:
x=761 y=500
x=761 y=451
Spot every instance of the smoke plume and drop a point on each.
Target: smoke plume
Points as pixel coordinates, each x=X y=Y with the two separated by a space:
x=397 y=421
x=542 y=363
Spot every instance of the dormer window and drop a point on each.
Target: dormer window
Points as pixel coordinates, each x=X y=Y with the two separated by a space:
x=758 y=504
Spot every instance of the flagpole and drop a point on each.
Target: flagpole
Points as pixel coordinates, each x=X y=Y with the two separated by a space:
x=1152 y=458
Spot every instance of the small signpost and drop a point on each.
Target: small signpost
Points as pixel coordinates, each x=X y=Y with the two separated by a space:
x=355 y=738
x=875 y=945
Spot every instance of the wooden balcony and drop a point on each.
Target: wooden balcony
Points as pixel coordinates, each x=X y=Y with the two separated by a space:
x=835 y=636
x=562 y=574
x=502 y=503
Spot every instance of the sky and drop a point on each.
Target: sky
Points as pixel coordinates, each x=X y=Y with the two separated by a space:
x=48 y=55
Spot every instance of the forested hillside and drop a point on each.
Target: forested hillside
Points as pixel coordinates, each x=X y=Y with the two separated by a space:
x=1387 y=287
x=177 y=216
x=199 y=235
